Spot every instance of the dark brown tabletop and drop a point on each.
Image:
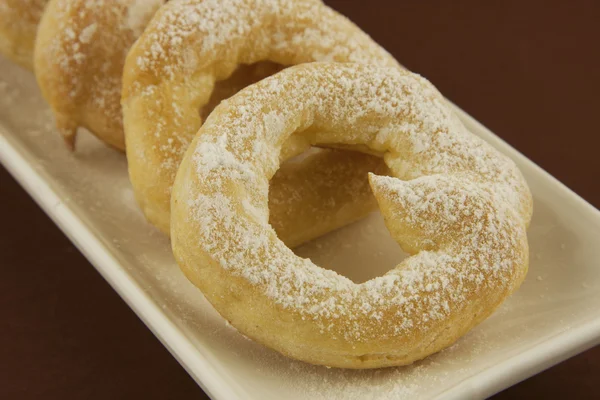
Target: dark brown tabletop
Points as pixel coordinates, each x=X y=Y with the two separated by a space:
x=528 y=70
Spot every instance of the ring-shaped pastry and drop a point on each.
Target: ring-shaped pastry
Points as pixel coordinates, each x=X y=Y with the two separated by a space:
x=79 y=57
x=192 y=45
x=458 y=206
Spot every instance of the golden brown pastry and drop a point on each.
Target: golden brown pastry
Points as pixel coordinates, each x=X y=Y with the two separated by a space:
x=458 y=206
x=18 y=24
x=194 y=53
x=79 y=57
x=318 y=192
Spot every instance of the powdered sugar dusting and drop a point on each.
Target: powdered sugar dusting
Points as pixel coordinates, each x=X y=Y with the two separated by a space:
x=198 y=30
x=466 y=205
x=85 y=43
x=87 y=34
x=190 y=46
x=539 y=311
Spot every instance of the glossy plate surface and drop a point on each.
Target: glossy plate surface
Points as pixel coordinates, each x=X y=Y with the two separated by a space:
x=554 y=315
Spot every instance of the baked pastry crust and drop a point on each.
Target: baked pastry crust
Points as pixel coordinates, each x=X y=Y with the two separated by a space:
x=458 y=206
x=79 y=58
x=190 y=46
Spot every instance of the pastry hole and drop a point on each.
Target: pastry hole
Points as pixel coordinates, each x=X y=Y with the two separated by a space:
x=360 y=251
x=244 y=75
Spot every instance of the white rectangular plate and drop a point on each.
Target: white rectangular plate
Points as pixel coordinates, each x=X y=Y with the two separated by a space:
x=554 y=315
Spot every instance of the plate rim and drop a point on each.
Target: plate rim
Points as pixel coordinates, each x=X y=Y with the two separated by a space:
x=105 y=262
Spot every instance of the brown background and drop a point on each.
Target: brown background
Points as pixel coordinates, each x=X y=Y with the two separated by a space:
x=529 y=70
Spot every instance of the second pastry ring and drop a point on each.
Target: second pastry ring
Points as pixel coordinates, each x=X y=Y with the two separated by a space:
x=190 y=45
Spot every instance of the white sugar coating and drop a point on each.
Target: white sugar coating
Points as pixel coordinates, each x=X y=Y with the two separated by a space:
x=481 y=349
x=192 y=40
x=86 y=52
x=87 y=34
x=464 y=205
x=205 y=26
